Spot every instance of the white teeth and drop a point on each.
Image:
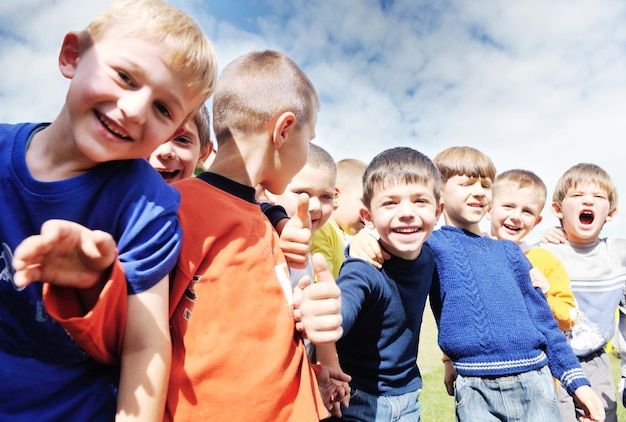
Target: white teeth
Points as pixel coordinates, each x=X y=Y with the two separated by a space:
x=112 y=129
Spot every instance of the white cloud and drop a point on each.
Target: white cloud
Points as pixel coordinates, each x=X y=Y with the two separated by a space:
x=534 y=84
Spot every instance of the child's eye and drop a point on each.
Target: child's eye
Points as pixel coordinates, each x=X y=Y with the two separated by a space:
x=183 y=140
x=162 y=109
x=327 y=198
x=126 y=79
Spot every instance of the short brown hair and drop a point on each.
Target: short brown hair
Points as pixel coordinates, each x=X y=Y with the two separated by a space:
x=464 y=161
x=399 y=165
x=585 y=173
x=255 y=88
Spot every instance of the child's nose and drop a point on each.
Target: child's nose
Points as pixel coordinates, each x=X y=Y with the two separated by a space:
x=314 y=203
x=166 y=150
x=134 y=105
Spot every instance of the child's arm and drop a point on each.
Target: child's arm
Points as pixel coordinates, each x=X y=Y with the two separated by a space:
x=334 y=387
x=591 y=404
x=554 y=235
x=146 y=356
x=365 y=246
x=556 y=286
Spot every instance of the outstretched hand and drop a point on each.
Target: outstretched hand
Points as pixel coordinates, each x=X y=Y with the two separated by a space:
x=295 y=237
x=317 y=306
x=64 y=254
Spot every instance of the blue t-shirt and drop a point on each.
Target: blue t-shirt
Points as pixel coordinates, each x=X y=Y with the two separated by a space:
x=38 y=359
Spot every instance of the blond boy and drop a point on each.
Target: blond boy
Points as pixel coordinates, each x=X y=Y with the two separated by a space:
x=137 y=73
x=518 y=197
x=584 y=199
x=345 y=221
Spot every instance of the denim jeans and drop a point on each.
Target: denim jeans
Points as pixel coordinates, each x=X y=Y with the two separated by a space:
x=366 y=407
x=529 y=396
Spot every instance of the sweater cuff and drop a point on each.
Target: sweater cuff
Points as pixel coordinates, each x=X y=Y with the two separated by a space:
x=573 y=379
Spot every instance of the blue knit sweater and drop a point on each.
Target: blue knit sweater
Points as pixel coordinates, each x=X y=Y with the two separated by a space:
x=382 y=314
x=491 y=321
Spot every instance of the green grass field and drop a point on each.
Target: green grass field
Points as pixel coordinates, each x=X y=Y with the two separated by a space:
x=437 y=405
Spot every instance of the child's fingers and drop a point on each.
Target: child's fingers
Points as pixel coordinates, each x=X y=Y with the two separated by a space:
x=303 y=210
x=320 y=267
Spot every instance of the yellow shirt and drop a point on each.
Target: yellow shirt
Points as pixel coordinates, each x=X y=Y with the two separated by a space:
x=330 y=241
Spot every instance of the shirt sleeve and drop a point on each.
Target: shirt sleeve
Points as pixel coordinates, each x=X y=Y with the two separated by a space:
x=99 y=331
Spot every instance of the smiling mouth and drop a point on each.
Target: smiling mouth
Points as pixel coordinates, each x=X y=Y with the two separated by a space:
x=586 y=218
x=406 y=230
x=111 y=128
x=168 y=175
x=512 y=228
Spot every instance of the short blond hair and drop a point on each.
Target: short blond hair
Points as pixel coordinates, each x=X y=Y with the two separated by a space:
x=519 y=179
x=350 y=173
x=319 y=158
x=257 y=87
x=186 y=48
x=585 y=173
x=464 y=161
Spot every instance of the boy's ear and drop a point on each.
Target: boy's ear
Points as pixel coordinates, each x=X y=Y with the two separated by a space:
x=366 y=217
x=69 y=54
x=556 y=210
x=439 y=210
x=537 y=221
x=285 y=123
x=611 y=215
x=336 y=198
x=204 y=154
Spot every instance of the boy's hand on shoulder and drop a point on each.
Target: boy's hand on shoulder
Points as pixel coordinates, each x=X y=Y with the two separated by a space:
x=65 y=254
x=555 y=235
x=539 y=280
x=295 y=237
x=591 y=404
x=365 y=246
x=317 y=306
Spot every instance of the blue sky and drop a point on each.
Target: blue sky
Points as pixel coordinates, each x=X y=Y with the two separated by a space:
x=533 y=84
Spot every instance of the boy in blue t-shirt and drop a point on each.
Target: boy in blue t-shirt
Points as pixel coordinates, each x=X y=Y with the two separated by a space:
x=137 y=72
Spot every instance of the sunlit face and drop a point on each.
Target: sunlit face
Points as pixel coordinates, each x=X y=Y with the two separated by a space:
x=514 y=213
x=123 y=100
x=348 y=212
x=404 y=215
x=466 y=201
x=319 y=184
x=177 y=158
x=584 y=211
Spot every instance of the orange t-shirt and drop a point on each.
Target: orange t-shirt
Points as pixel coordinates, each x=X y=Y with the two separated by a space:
x=236 y=354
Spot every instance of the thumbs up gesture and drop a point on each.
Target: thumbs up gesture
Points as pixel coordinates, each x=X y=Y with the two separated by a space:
x=317 y=306
x=295 y=237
